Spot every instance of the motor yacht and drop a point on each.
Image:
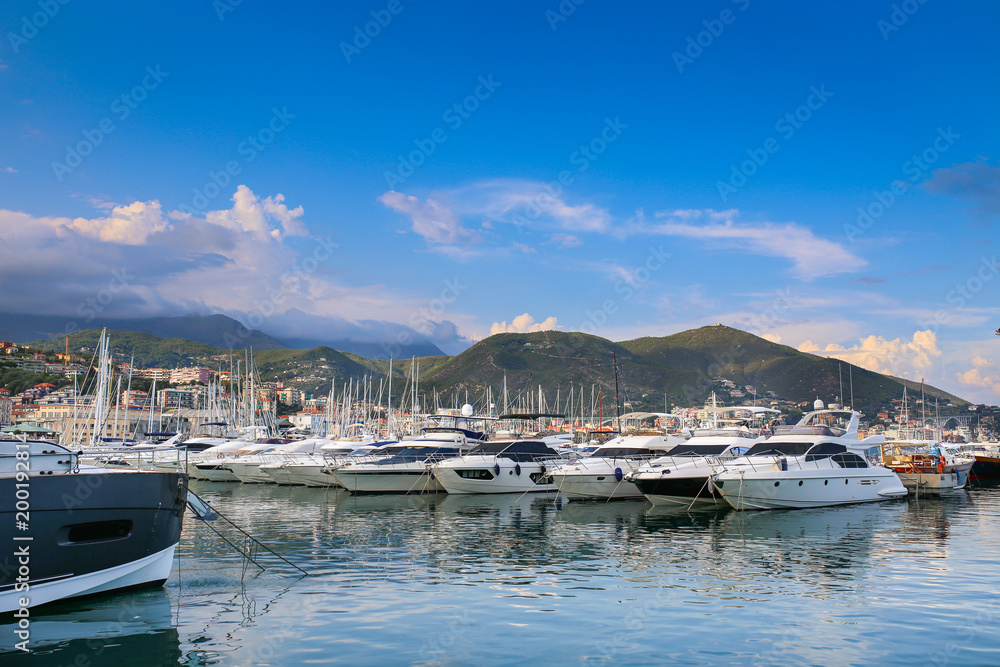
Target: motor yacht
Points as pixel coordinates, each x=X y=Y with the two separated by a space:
x=506 y=466
x=447 y=434
x=814 y=463
x=601 y=475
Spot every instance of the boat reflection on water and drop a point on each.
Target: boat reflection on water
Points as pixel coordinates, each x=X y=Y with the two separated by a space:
x=106 y=630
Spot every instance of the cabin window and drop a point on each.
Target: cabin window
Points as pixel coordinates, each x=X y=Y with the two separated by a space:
x=475 y=474
x=849 y=460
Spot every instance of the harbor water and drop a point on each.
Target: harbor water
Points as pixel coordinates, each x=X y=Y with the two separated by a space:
x=503 y=580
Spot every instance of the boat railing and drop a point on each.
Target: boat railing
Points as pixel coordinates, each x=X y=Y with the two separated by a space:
x=133 y=458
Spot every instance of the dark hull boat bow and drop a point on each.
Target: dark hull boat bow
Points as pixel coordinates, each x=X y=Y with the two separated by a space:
x=72 y=529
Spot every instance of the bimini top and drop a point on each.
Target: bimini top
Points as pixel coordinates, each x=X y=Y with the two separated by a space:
x=517 y=450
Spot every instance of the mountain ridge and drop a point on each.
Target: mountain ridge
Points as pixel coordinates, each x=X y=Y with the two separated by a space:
x=684 y=367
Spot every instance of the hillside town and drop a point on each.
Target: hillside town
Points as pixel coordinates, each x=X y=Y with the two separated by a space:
x=182 y=400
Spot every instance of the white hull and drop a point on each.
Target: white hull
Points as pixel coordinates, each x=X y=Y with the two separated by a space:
x=931 y=483
x=307 y=475
x=392 y=478
x=151 y=569
x=812 y=488
x=213 y=471
x=583 y=486
x=513 y=476
x=248 y=472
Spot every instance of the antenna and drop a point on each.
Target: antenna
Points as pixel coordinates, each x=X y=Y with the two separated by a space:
x=618 y=413
x=840 y=372
x=850 y=371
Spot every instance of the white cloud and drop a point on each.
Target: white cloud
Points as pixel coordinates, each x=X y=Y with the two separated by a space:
x=566 y=240
x=811 y=256
x=531 y=203
x=267 y=217
x=894 y=357
x=523 y=324
x=773 y=337
x=11 y=170
x=984 y=374
x=175 y=262
x=433 y=220
x=127 y=225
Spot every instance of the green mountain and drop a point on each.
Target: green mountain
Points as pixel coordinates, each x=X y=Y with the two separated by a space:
x=683 y=368
x=149 y=351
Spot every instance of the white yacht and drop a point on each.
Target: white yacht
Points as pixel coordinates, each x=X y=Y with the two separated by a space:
x=506 y=466
x=314 y=471
x=211 y=463
x=811 y=464
x=602 y=474
x=682 y=477
x=247 y=467
x=447 y=434
x=218 y=449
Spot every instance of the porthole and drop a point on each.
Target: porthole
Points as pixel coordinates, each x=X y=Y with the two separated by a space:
x=825 y=482
x=800 y=482
x=777 y=483
x=845 y=481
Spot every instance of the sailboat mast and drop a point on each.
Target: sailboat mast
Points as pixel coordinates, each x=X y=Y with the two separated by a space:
x=618 y=414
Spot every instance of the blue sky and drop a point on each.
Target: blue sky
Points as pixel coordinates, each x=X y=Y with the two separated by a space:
x=823 y=175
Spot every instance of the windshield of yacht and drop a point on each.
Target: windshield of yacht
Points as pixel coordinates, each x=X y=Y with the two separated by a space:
x=408 y=454
x=388 y=449
x=722 y=432
x=622 y=452
x=517 y=446
x=767 y=448
x=696 y=450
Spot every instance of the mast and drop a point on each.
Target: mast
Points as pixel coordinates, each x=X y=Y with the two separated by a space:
x=923 y=411
x=118 y=393
x=840 y=374
x=388 y=402
x=850 y=379
x=618 y=414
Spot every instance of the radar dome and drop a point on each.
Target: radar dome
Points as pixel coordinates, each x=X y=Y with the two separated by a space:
x=467 y=410
x=818 y=405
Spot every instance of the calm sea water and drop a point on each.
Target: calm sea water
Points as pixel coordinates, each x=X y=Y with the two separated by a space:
x=502 y=580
